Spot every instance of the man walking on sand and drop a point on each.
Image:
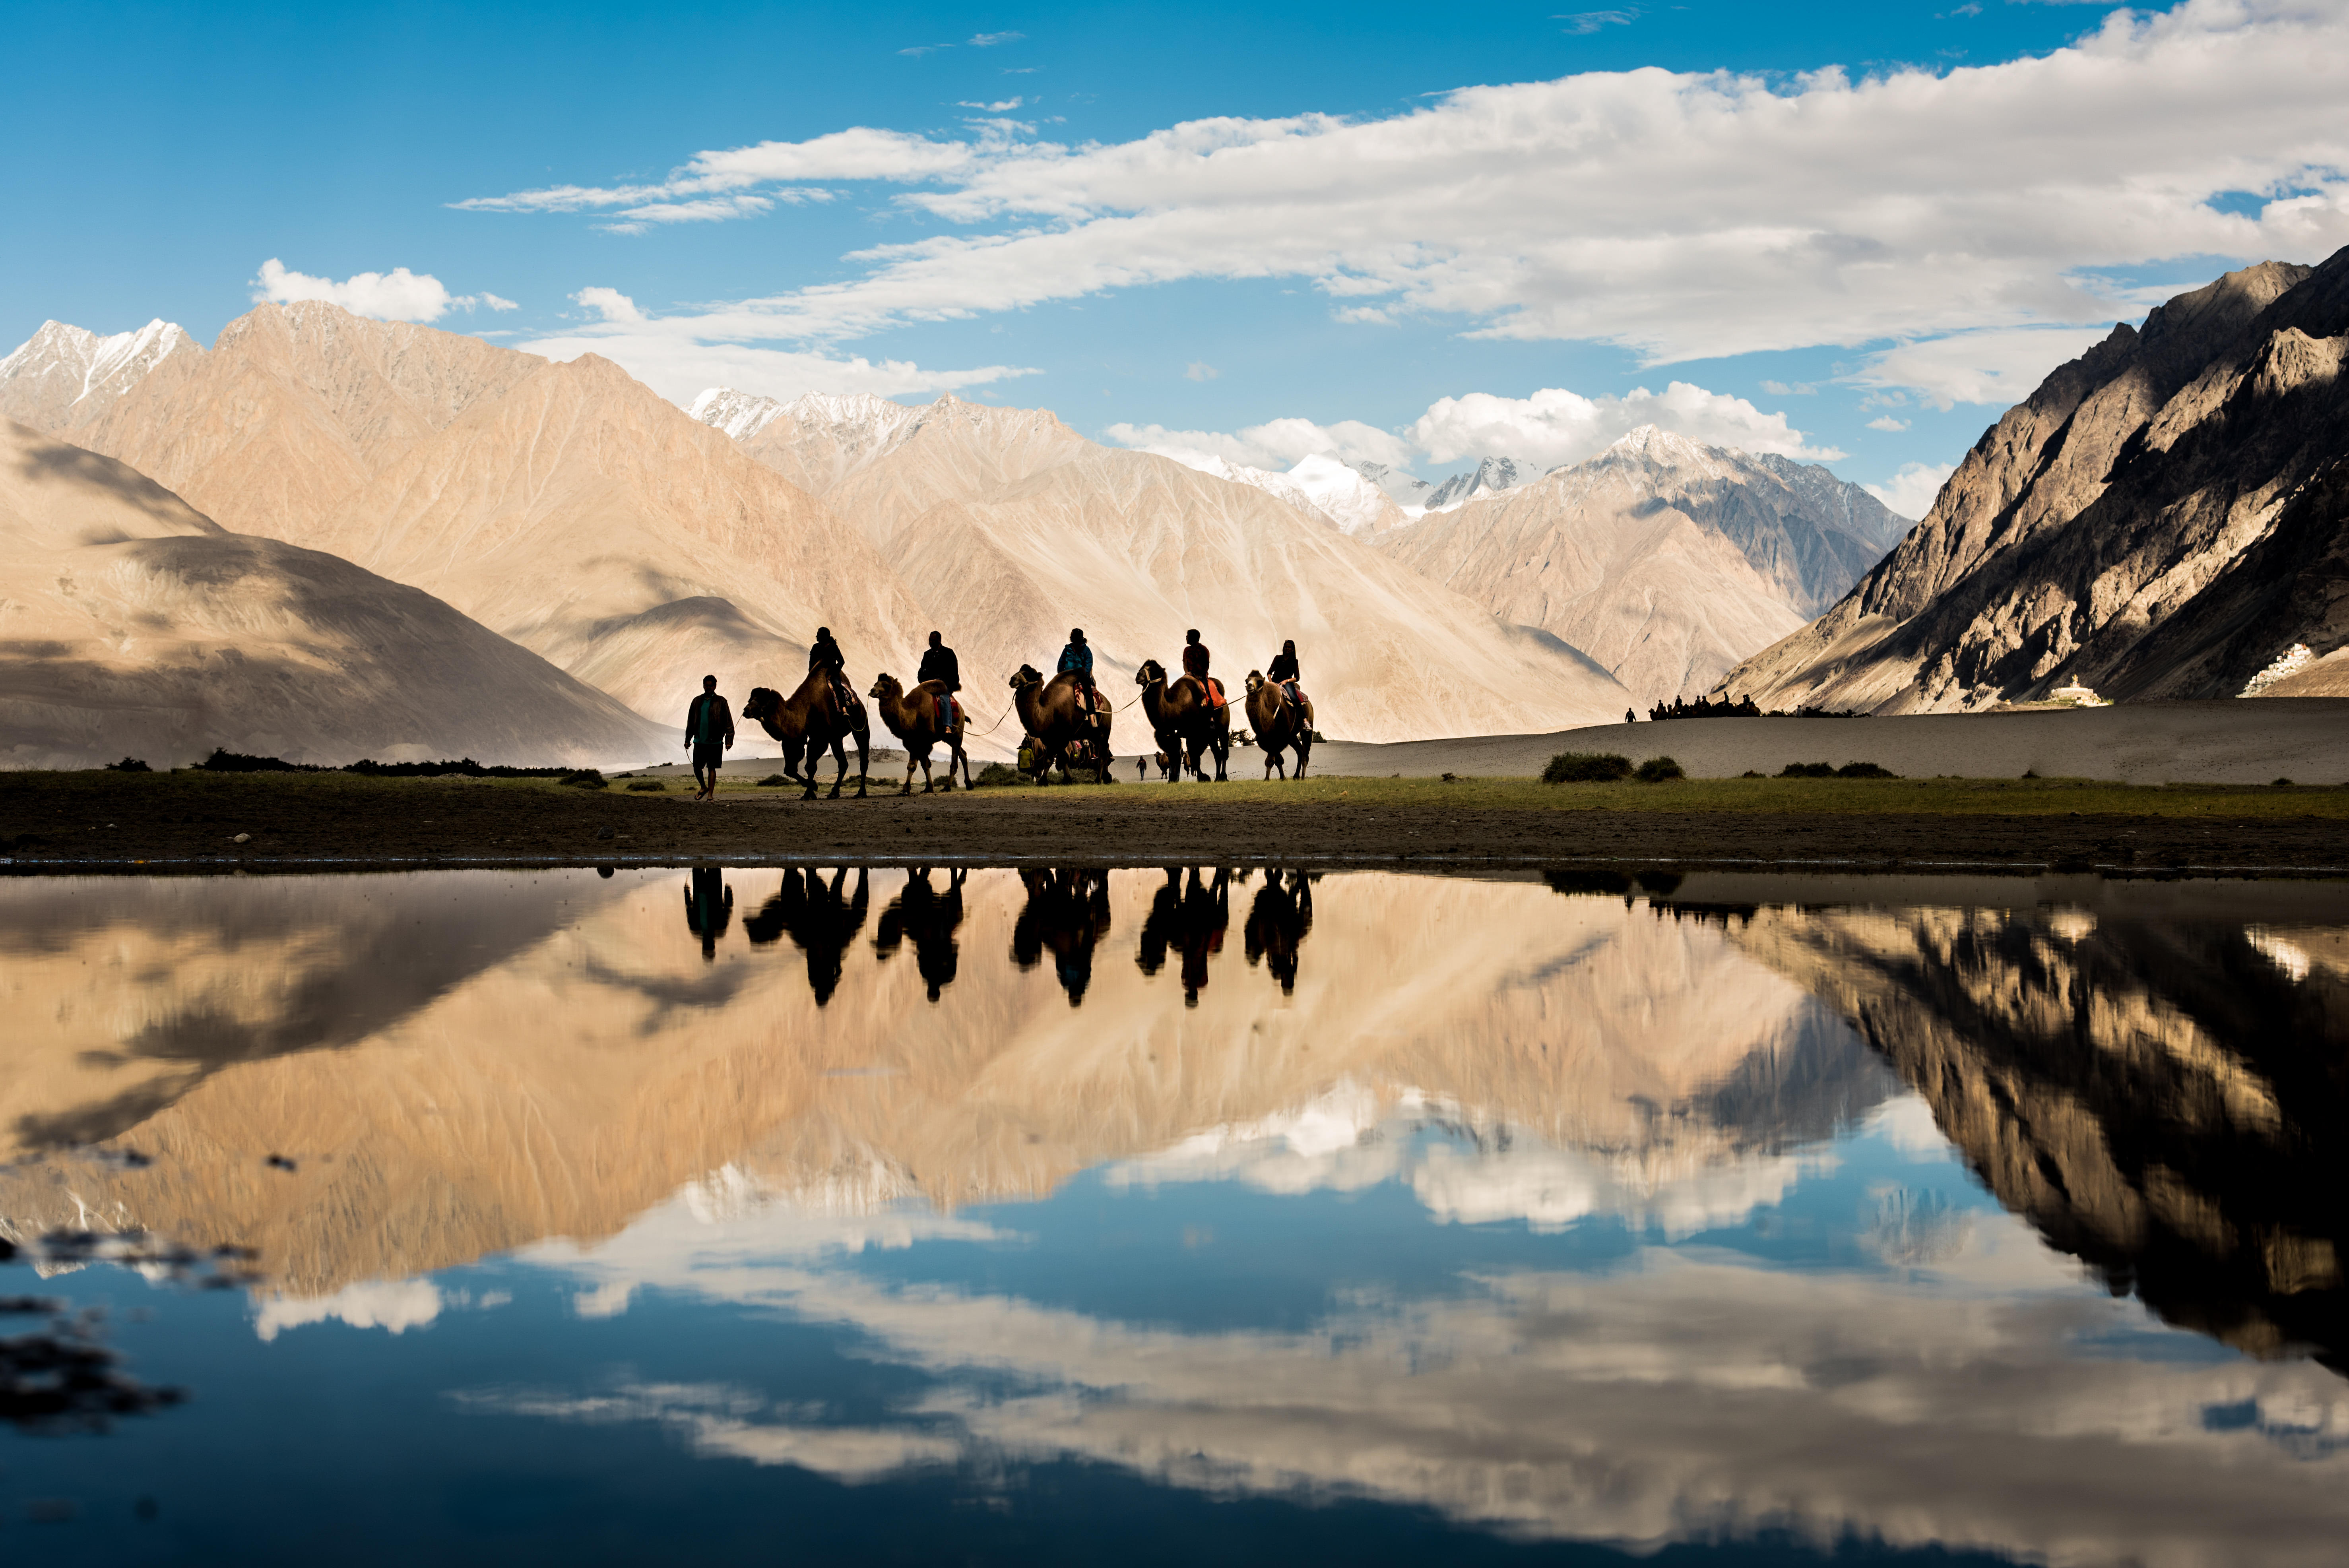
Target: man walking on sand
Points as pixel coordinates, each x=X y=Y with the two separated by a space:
x=708 y=731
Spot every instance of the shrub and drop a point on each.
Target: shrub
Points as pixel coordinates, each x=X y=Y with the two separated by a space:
x=1865 y=771
x=1586 y=767
x=1749 y=773
x=586 y=778
x=995 y=776
x=1807 y=770
x=773 y=781
x=129 y=765
x=2278 y=784
x=649 y=786
x=1658 y=771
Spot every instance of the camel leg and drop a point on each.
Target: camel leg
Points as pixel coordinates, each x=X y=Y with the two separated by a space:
x=907 y=788
x=864 y=760
x=1304 y=749
x=840 y=756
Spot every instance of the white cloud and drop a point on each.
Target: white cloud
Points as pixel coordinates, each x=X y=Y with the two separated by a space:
x=1555 y=425
x=1275 y=444
x=396 y=1305
x=1584 y=22
x=1910 y=494
x=1003 y=106
x=669 y=355
x=1783 y=389
x=1550 y=428
x=1200 y=370
x=988 y=40
x=396 y=295
x=2001 y=366
x=1680 y=215
x=1887 y=422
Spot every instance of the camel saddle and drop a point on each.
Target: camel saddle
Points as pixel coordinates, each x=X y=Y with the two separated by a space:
x=1211 y=690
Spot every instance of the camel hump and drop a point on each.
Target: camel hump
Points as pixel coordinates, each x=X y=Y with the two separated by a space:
x=936 y=688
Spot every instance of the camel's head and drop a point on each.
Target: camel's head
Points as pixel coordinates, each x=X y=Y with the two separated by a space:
x=765 y=703
x=886 y=687
x=1025 y=678
x=1255 y=679
x=1150 y=670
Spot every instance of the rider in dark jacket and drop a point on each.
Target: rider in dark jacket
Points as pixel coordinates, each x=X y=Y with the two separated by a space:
x=1283 y=670
x=1077 y=659
x=939 y=664
x=823 y=654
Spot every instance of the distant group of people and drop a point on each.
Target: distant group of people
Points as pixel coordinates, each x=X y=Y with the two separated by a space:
x=709 y=720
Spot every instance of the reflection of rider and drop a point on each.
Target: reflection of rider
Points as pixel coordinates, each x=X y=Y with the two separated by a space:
x=1077 y=660
x=708 y=907
x=1284 y=673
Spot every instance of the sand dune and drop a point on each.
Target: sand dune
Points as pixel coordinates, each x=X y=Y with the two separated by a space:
x=132 y=625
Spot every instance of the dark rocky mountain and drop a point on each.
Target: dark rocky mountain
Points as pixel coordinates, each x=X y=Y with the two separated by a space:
x=2163 y=517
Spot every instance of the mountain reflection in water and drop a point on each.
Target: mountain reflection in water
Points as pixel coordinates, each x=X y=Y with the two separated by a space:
x=1592 y=1208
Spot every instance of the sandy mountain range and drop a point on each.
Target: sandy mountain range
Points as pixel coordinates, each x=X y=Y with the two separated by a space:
x=1012 y=527
x=568 y=508
x=1666 y=560
x=131 y=624
x=459 y=1067
x=2163 y=517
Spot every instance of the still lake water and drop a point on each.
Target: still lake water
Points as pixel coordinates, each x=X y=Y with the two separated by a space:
x=1070 y=1217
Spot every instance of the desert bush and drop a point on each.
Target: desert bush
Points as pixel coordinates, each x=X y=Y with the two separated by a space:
x=649 y=786
x=995 y=776
x=1659 y=770
x=225 y=762
x=586 y=778
x=1586 y=767
x=129 y=765
x=1807 y=770
x=773 y=781
x=1865 y=771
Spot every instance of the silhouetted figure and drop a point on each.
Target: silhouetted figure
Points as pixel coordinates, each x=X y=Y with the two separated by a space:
x=1067 y=911
x=820 y=921
x=1276 y=923
x=708 y=908
x=930 y=918
x=1190 y=917
x=708 y=734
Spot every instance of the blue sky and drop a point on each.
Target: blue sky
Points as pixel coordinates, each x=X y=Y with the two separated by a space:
x=1983 y=187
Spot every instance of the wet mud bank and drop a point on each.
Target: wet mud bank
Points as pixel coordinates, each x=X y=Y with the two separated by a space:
x=180 y=825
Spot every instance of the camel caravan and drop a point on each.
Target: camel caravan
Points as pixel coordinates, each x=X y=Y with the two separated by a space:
x=1067 y=718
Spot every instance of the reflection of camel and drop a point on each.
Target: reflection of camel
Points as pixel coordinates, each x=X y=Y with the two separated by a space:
x=1190 y=916
x=1067 y=911
x=1278 y=921
x=819 y=918
x=2163 y=1098
x=930 y=917
x=709 y=909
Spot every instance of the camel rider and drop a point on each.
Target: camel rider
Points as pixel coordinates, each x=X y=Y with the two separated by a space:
x=1284 y=671
x=824 y=655
x=1194 y=664
x=939 y=664
x=1077 y=659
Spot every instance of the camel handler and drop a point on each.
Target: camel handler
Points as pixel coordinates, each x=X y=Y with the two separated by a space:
x=1077 y=659
x=823 y=654
x=708 y=731
x=939 y=664
x=1283 y=671
x=1194 y=664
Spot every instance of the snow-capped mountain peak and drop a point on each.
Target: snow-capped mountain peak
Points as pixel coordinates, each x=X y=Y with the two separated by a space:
x=740 y=415
x=1491 y=475
x=64 y=376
